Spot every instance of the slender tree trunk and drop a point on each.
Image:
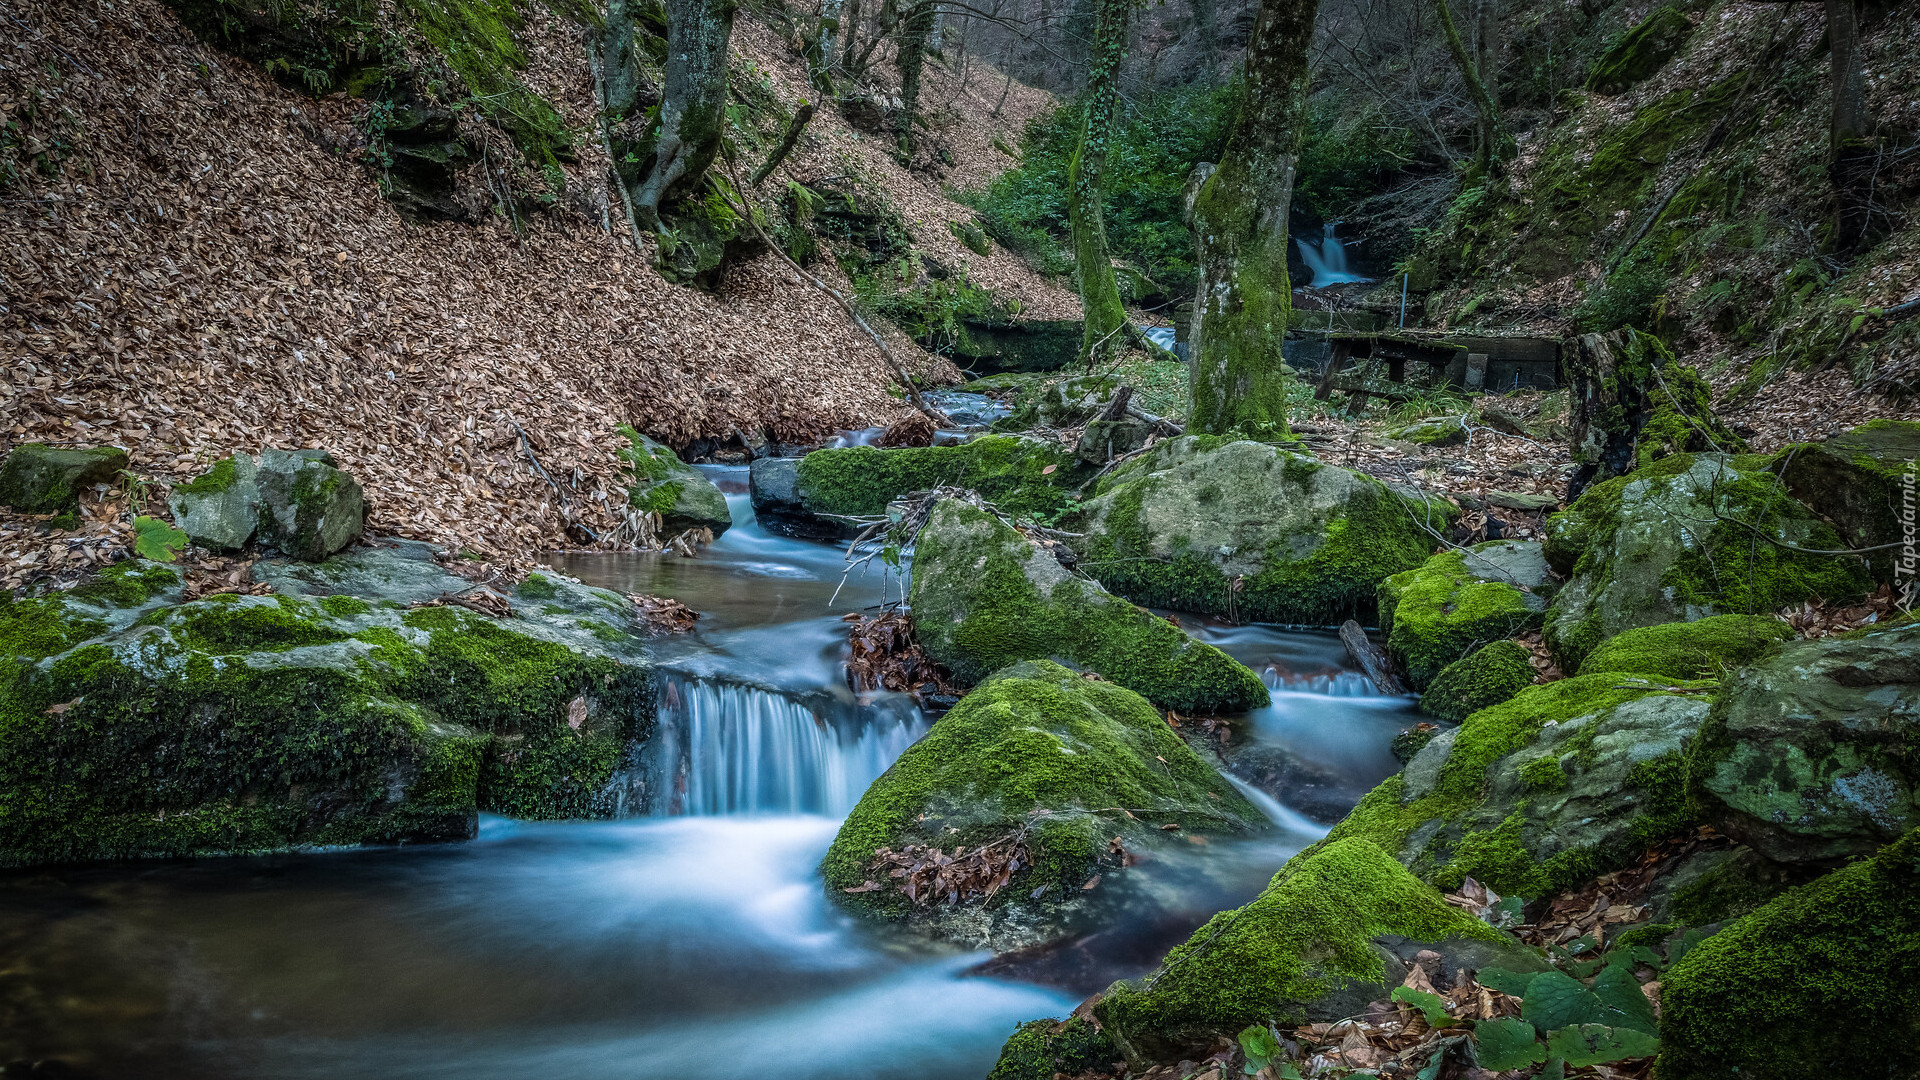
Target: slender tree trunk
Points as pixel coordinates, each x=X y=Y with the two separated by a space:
x=829 y=30
x=849 y=33
x=935 y=31
x=1496 y=146
x=692 y=104
x=620 y=70
x=914 y=27
x=1238 y=379
x=1852 y=130
x=1086 y=175
x=1486 y=55
x=1080 y=33
x=1206 y=32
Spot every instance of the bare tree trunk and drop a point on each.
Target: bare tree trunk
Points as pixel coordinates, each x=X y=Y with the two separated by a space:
x=914 y=28
x=829 y=30
x=1079 y=39
x=620 y=70
x=1207 y=38
x=1238 y=379
x=850 y=33
x=1086 y=175
x=1487 y=49
x=1852 y=130
x=1496 y=146
x=693 y=102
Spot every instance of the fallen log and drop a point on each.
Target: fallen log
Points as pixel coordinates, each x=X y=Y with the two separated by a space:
x=1371 y=658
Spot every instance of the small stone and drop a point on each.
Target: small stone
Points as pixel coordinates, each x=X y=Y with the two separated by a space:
x=309 y=509
x=1522 y=501
x=220 y=508
x=41 y=479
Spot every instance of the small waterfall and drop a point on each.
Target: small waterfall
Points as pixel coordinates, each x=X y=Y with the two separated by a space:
x=1337 y=684
x=727 y=748
x=1328 y=260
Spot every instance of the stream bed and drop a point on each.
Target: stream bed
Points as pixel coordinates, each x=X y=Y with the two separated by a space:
x=689 y=940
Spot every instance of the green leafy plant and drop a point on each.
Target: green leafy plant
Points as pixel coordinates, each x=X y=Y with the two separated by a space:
x=155 y=539
x=1565 y=1021
x=1263 y=1050
x=1432 y=1007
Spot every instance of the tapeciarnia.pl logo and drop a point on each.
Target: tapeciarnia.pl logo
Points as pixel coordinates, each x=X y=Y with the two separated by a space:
x=1909 y=525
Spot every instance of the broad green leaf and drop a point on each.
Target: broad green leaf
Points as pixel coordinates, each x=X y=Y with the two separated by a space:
x=1433 y=1066
x=1431 y=1006
x=1288 y=1072
x=1597 y=1044
x=155 y=539
x=1507 y=1043
x=1260 y=1046
x=1554 y=1069
x=1555 y=1000
x=1620 y=992
x=1507 y=982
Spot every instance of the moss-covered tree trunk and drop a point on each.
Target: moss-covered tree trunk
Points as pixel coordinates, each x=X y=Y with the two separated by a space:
x=1496 y=145
x=1106 y=316
x=693 y=102
x=849 y=34
x=1240 y=235
x=619 y=66
x=915 y=24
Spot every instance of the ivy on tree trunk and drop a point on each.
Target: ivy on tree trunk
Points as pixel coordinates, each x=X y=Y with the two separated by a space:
x=693 y=102
x=1240 y=235
x=1106 y=316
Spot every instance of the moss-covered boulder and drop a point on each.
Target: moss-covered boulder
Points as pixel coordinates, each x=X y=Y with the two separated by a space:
x=1485 y=677
x=1818 y=983
x=1689 y=536
x=220 y=508
x=1040 y=1049
x=39 y=479
x=680 y=494
x=1813 y=755
x=135 y=725
x=810 y=497
x=1567 y=780
x=1434 y=431
x=1253 y=532
x=1706 y=649
x=1459 y=600
x=1336 y=929
x=1640 y=52
x=984 y=596
x=1037 y=758
x=309 y=509
x=1859 y=481
x=1059 y=403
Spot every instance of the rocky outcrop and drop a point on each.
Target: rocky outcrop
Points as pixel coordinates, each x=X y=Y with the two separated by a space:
x=1460 y=600
x=1253 y=532
x=1339 y=926
x=810 y=497
x=1813 y=755
x=984 y=596
x=1706 y=649
x=1485 y=677
x=39 y=479
x=1862 y=481
x=1022 y=781
x=296 y=502
x=139 y=725
x=1818 y=983
x=1689 y=536
x=1641 y=51
x=1564 y=782
x=678 y=493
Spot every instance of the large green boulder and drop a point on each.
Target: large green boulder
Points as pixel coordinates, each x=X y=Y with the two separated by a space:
x=309 y=509
x=1337 y=928
x=1565 y=781
x=1487 y=676
x=1252 y=532
x=811 y=497
x=220 y=508
x=1706 y=649
x=1813 y=755
x=984 y=596
x=1689 y=536
x=1818 y=983
x=680 y=494
x=1459 y=600
x=1061 y=403
x=133 y=724
x=1641 y=51
x=39 y=479
x=1863 y=481
x=1028 y=774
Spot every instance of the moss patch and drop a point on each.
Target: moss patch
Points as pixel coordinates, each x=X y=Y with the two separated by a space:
x=1442 y=611
x=1708 y=648
x=1483 y=678
x=1009 y=471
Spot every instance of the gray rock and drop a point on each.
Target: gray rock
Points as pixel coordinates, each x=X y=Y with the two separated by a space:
x=1858 y=480
x=308 y=508
x=220 y=508
x=681 y=494
x=1103 y=440
x=1813 y=755
x=1525 y=502
x=41 y=479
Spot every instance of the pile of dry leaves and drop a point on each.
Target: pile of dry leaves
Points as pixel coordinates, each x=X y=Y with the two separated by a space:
x=883 y=655
x=1817 y=619
x=930 y=875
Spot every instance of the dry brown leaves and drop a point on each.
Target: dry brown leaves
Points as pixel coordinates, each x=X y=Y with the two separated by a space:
x=883 y=655
x=1816 y=619
x=1614 y=899
x=218 y=574
x=914 y=430
x=930 y=875
x=657 y=616
x=480 y=599
x=1544 y=669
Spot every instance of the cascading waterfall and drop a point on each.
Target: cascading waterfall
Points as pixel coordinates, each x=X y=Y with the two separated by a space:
x=1340 y=684
x=728 y=748
x=1328 y=260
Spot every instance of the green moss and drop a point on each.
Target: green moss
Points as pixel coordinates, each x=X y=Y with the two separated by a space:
x=36 y=628
x=1043 y=751
x=222 y=476
x=344 y=607
x=1788 y=991
x=861 y=480
x=1442 y=611
x=1707 y=648
x=1040 y=1049
x=1640 y=52
x=126 y=584
x=538 y=587
x=1732 y=889
x=1484 y=677
x=1305 y=935
x=1544 y=774
x=39 y=479
x=230 y=629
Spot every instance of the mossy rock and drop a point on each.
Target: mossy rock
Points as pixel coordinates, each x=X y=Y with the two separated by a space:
x=1707 y=649
x=983 y=596
x=1818 y=983
x=1858 y=481
x=1061 y=403
x=1435 y=431
x=1813 y=755
x=136 y=725
x=1048 y=755
x=1676 y=542
x=810 y=497
x=1040 y=1049
x=1252 y=532
x=220 y=508
x=1566 y=781
x=39 y=479
x=308 y=508
x=1641 y=52
x=1334 y=930
x=1485 y=677
x=663 y=484
x=1457 y=601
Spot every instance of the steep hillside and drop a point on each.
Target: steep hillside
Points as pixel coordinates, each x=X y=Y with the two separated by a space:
x=199 y=261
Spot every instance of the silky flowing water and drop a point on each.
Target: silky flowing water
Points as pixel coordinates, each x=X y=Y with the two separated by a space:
x=690 y=940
